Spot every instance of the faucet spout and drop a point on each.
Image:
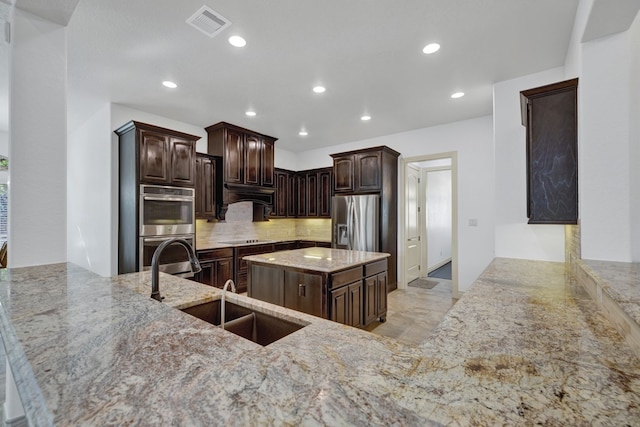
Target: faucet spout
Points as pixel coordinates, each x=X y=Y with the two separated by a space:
x=155 y=264
x=224 y=293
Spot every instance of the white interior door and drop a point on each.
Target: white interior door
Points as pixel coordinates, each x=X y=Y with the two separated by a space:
x=412 y=224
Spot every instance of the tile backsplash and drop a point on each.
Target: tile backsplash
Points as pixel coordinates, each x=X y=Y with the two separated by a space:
x=318 y=229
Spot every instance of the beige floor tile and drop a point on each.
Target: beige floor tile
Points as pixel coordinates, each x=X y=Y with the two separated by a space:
x=414 y=313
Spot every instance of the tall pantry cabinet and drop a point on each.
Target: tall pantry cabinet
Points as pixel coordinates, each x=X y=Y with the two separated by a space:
x=374 y=171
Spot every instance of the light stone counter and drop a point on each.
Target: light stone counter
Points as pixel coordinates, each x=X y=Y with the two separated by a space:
x=523 y=346
x=325 y=260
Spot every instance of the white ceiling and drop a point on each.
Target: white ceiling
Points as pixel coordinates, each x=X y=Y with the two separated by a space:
x=368 y=53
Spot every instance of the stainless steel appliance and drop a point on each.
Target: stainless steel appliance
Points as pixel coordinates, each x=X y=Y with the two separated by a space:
x=166 y=210
x=166 y=213
x=173 y=260
x=355 y=222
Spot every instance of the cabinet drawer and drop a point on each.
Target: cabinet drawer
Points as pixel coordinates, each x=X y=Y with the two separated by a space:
x=215 y=254
x=254 y=249
x=375 y=268
x=345 y=277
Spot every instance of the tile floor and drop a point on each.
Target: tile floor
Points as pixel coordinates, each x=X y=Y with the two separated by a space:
x=413 y=313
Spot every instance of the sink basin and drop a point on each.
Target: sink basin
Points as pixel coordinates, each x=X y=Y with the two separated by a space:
x=253 y=325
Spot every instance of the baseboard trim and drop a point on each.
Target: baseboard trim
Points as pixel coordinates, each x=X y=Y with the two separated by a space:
x=20 y=421
x=438 y=265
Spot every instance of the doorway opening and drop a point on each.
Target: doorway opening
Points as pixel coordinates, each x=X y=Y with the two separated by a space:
x=429 y=220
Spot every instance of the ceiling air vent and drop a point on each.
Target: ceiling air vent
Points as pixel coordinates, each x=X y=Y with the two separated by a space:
x=208 y=21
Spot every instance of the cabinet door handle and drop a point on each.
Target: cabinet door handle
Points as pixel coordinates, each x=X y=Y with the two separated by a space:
x=301 y=289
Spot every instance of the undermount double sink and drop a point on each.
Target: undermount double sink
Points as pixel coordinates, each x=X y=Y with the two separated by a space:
x=253 y=325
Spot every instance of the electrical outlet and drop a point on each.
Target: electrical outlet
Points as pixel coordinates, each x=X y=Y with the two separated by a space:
x=473 y=222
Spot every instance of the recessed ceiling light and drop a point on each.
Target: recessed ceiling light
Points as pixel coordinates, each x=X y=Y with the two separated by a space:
x=319 y=89
x=250 y=113
x=431 y=48
x=365 y=118
x=237 y=41
x=303 y=133
x=169 y=84
x=457 y=95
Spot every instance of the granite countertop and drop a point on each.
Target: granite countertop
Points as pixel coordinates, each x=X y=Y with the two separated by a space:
x=524 y=346
x=317 y=259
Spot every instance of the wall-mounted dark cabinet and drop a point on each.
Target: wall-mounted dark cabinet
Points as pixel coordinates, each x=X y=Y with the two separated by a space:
x=358 y=172
x=208 y=185
x=247 y=156
x=247 y=164
x=303 y=194
x=373 y=171
x=165 y=157
x=550 y=114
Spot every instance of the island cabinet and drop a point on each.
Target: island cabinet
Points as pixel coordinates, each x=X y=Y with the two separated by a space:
x=375 y=291
x=346 y=297
x=217 y=266
x=550 y=115
x=355 y=295
x=241 y=268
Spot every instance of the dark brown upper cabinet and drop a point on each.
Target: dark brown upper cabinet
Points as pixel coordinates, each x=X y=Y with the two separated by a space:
x=282 y=196
x=165 y=157
x=248 y=156
x=208 y=180
x=358 y=172
x=247 y=167
x=550 y=115
x=303 y=194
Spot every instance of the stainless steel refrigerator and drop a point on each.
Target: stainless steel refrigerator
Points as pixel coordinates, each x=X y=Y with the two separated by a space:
x=355 y=223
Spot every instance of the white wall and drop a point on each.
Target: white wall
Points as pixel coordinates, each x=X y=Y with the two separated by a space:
x=473 y=140
x=91 y=221
x=38 y=142
x=573 y=60
x=437 y=185
x=634 y=115
x=604 y=161
x=515 y=238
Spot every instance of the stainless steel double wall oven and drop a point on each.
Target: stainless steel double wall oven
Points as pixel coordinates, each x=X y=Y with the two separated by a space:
x=165 y=213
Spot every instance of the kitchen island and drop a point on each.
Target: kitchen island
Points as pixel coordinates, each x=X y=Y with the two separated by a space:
x=349 y=287
x=524 y=346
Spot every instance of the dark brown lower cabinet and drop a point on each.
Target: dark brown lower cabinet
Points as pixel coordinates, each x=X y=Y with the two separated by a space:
x=375 y=297
x=376 y=287
x=241 y=267
x=303 y=292
x=217 y=266
x=346 y=305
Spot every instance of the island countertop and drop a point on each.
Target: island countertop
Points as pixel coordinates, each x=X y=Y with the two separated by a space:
x=325 y=260
x=524 y=346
